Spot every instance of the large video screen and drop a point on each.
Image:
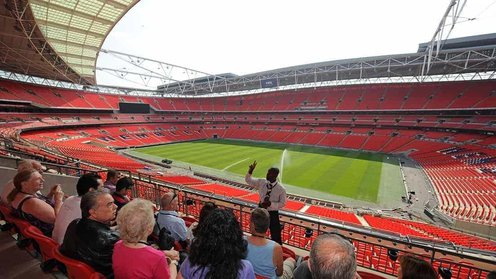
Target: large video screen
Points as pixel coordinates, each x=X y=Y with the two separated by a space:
x=134 y=108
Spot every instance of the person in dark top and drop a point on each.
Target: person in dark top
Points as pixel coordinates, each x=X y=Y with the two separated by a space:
x=90 y=239
x=28 y=204
x=121 y=189
x=207 y=208
x=218 y=250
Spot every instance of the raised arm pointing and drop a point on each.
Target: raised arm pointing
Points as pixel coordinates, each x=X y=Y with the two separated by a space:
x=252 y=167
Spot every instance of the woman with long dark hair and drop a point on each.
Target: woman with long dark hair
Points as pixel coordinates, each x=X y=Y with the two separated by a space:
x=207 y=208
x=218 y=250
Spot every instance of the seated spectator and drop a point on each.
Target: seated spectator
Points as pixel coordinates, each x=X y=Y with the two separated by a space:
x=71 y=208
x=23 y=165
x=135 y=222
x=331 y=257
x=412 y=267
x=35 y=208
x=207 y=208
x=265 y=255
x=169 y=218
x=90 y=239
x=112 y=177
x=121 y=189
x=218 y=249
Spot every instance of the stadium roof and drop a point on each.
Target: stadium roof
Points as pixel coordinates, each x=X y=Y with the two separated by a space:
x=464 y=42
x=477 y=62
x=65 y=35
x=60 y=40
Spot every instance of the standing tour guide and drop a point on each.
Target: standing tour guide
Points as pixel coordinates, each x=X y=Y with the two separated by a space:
x=272 y=197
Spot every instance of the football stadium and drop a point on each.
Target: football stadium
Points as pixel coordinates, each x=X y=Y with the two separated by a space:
x=396 y=153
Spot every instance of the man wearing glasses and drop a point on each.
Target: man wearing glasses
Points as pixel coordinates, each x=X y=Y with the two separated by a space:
x=169 y=218
x=90 y=239
x=272 y=197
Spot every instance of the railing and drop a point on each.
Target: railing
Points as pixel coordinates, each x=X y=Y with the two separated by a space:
x=375 y=249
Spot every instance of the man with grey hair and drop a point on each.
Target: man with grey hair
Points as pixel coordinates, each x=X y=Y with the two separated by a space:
x=331 y=257
x=90 y=239
x=169 y=218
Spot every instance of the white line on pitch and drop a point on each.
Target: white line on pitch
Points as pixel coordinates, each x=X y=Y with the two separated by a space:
x=234 y=164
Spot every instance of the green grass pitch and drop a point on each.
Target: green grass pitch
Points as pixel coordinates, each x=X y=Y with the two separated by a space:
x=351 y=174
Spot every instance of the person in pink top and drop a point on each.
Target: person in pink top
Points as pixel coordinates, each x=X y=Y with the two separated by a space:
x=132 y=257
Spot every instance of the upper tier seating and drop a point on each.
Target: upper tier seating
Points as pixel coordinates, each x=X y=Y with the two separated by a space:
x=436 y=95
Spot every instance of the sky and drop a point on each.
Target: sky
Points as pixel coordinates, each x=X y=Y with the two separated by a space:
x=244 y=37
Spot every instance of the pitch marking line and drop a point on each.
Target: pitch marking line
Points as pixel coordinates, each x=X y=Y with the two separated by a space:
x=231 y=165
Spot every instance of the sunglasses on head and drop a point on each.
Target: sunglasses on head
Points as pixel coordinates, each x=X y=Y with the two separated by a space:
x=173 y=197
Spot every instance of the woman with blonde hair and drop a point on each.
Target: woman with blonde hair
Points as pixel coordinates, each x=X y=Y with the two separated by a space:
x=132 y=257
x=38 y=210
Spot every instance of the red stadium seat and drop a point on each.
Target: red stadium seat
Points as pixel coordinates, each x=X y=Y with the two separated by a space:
x=288 y=253
x=189 y=220
x=6 y=213
x=46 y=246
x=23 y=241
x=76 y=269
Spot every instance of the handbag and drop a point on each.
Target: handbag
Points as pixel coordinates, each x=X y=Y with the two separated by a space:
x=165 y=239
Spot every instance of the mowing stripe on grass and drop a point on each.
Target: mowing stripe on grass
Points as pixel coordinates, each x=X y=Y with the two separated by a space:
x=351 y=174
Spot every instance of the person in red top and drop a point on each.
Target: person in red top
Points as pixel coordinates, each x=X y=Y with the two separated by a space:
x=132 y=257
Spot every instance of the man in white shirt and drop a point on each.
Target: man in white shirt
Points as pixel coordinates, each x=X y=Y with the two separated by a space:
x=71 y=208
x=272 y=197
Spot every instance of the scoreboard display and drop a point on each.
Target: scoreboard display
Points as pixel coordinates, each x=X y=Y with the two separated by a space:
x=134 y=108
